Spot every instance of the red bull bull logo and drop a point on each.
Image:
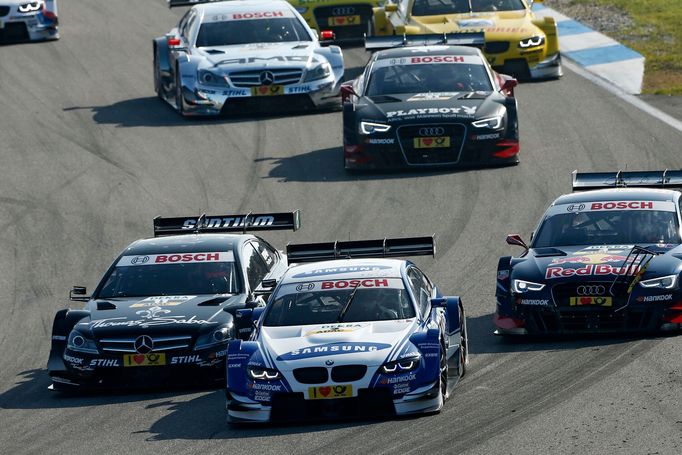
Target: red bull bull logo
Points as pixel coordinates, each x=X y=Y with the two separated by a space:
x=592 y=258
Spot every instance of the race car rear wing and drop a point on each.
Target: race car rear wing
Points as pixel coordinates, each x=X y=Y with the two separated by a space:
x=227 y=223
x=653 y=179
x=375 y=43
x=174 y=3
x=380 y=248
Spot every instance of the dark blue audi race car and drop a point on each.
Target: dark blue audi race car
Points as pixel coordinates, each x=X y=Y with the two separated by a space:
x=350 y=332
x=603 y=260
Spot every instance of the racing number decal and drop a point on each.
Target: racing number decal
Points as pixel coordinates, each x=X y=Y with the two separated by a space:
x=324 y=392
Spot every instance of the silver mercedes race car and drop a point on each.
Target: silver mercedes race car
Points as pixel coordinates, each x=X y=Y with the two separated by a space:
x=245 y=56
x=25 y=20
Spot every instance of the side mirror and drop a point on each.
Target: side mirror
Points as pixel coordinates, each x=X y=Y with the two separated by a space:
x=439 y=302
x=327 y=37
x=79 y=294
x=515 y=239
x=347 y=91
x=508 y=85
x=390 y=7
x=269 y=284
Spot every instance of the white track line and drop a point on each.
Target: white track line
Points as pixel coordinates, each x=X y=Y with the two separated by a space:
x=631 y=99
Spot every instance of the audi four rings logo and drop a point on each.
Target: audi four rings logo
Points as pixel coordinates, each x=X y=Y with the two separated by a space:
x=139 y=260
x=144 y=344
x=267 y=78
x=591 y=290
x=432 y=131
x=343 y=11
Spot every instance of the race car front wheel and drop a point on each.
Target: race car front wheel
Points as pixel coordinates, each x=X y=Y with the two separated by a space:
x=443 y=371
x=463 y=343
x=178 y=92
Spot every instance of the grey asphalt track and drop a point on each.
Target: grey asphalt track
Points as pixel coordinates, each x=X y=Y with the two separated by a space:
x=88 y=156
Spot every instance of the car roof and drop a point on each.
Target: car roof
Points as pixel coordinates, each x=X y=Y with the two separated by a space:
x=425 y=50
x=190 y=243
x=619 y=194
x=345 y=269
x=235 y=6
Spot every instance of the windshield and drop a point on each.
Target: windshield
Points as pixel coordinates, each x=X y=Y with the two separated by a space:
x=467 y=75
x=276 y=30
x=172 y=274
x=435 y=7
x=609 y=227
x=325 y=302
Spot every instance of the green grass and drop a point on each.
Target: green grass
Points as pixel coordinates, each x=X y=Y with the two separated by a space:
x=656 y=34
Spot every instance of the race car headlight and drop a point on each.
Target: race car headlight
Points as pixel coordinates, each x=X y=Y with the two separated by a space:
x=209 y=78
x=30 y=7
x=535 y=41
x=302 y=9
x=371 y=128
x=263 y=374
x=81 y=343
x=492 y=122
x=664 y=282
x=401 y=366
x=216 y=337
x=318 y=72
x=521 y=286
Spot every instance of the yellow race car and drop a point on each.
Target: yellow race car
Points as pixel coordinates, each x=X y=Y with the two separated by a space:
x=348 y=19
x=516 y=42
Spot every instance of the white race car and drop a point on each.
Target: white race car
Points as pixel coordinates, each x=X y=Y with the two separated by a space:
x=24 y=20
x=245 y=55
x=348 y=337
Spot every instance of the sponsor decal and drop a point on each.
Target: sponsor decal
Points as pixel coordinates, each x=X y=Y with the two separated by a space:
x=380 y=141
x=73 y=360
x=334 y=391
x=342 y=284
x=438 y=59
x=502 y=275
x=235 y=92
x=144 y=360
x=606 y=248
x=264 y=386
x=582 y=301
x=590 y=269
x=537 y=302
x=104 y=363
x=324 y=350
x=262 y=396
x=652 y=298
x=467 y=111
x=398 y=379
x=176 y=258
x=166 y=300
x=596 y=206
x=591 y=258
x=485 y=137
x=340 y=270
x=58 y=337
x=274 y=58
x=429 y=60
x=185 y=359
x=234 y=365
x=248 y=15
x=479 y=23
x=298 y=89
x=620 y=205
x=404 y=388
x=335 y=329
x=442 y=96
x=152 y=317
x=226 y=222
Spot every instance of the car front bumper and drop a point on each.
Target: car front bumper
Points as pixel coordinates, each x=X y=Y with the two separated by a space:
x=27 y=27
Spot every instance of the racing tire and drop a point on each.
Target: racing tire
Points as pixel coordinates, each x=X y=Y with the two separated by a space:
x=463 y=344
x=444 y=371
x=157 y=76
x=178 y=92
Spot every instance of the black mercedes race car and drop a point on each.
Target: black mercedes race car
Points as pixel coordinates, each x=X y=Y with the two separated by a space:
x=428 y=105
x=604 y=260
x=164 y=311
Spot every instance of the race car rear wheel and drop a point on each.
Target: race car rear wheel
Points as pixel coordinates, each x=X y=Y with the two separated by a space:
x=463 y=343
x=178 y=92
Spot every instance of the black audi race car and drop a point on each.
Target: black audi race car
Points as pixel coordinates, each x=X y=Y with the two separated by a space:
x=604 y=260
x=420 y=106
x=164 y=311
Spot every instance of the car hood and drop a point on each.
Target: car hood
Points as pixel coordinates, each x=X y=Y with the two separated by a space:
x=159 y=314
x=456 y=105
x=603 y=263
x=259 y=56
x=367 y=343
x=495 y=25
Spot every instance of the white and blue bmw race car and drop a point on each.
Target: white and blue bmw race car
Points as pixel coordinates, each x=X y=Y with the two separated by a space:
x=28 y=20
x=344 y=337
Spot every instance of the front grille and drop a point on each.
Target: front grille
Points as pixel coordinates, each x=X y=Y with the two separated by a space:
x=4 y=11
x=281 y=76
x=561 y=293
x=432 y=156
x=496 y=47
x=348 y=373
x=14 y=31
x=169 y=343
x=311 y=375
x=343 y=32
